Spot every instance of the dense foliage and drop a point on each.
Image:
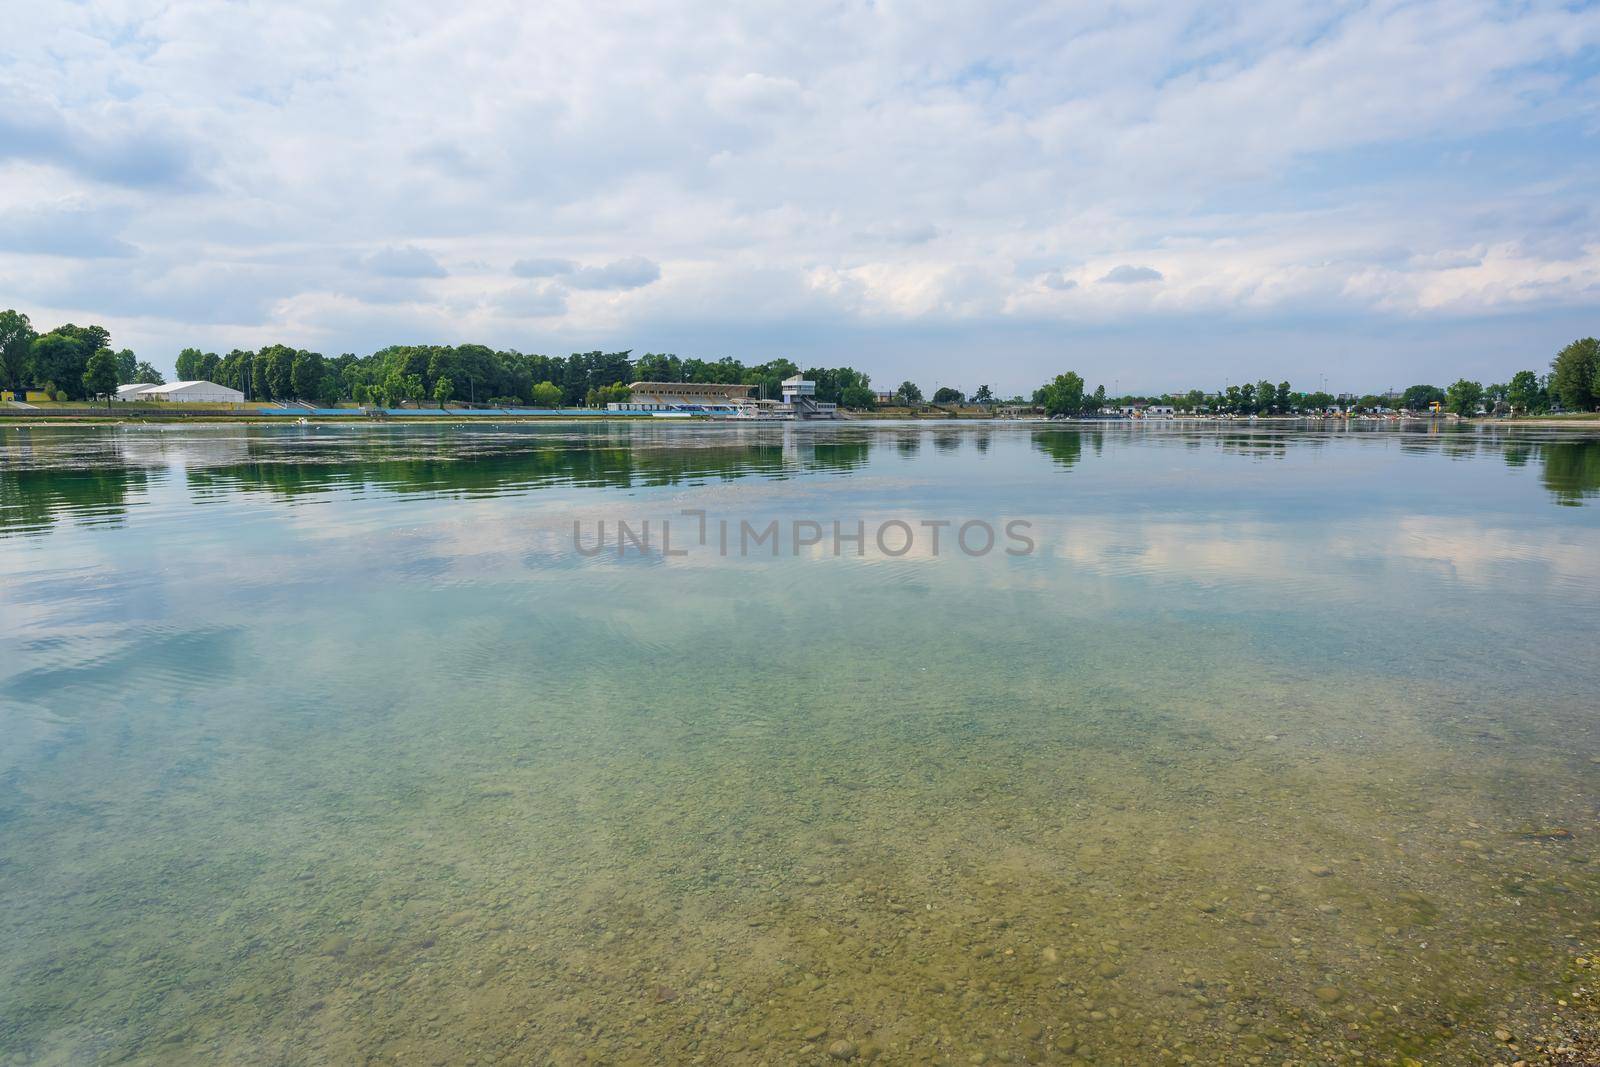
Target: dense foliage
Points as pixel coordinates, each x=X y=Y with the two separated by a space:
x=1525 y=394
x=477 y=373
x=1575 y=374
x=57 y=362
x=1064 y=396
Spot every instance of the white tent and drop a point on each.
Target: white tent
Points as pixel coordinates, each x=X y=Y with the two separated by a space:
x=134 y=391
x=192 y=393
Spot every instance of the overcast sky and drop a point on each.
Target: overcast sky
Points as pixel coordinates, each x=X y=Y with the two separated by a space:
x=1158 y=195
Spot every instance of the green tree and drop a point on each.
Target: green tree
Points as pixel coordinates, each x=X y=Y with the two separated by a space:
x=983 y=395
x=1495 y=398
x=392 y=389
x=1266 y=397
x=187 y=365
x=443 y=390
x=657 y=367
x=908 y=395
x=833 y=382
x=601 y=395
x=233 y=370
x=397 y=387
x=145 y=374
x=100 y=374
x=280 y=370
x=62 y=356
x=1572 y=375
x=210 y=367
x=858 y=397
x=355 y=377
x=768 y=377
x=272 y=373
x=1285 y=398
x=946 y=395
x=92 y=338
x=329 y=389
x=260 y=384
x=1523 y=392
x=16 y=341
x=127 y=367
x=1063 y=395
x=305 y=374
x=548 y=394
x=1464 y=397
x=1420 y=397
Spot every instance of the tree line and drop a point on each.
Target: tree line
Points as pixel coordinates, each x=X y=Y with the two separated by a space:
x=71 y=362
x=1573 y=382
x=76 y=362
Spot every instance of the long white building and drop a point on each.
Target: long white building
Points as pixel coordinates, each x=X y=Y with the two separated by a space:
x=182 y=393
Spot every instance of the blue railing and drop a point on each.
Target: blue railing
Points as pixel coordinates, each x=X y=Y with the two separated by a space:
x=450 y=413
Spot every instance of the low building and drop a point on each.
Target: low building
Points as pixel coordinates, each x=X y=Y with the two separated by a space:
x=1160 y=411
x=200 y=392
x=884 y=396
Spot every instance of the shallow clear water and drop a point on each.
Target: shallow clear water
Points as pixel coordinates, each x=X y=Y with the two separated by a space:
x=330 y=746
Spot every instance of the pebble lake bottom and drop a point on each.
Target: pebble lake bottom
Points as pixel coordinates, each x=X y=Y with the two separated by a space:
x=324 y=746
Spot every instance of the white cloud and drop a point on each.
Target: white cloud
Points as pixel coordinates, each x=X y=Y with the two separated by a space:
x=631 y=273
x=111 y=142
x=69 y=227
x=901 y=233
x=531 y=301
x=1130 y=275
x=542 y=268
x=407 y=261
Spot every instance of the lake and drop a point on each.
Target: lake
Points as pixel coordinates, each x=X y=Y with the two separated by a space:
x=602 y=743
